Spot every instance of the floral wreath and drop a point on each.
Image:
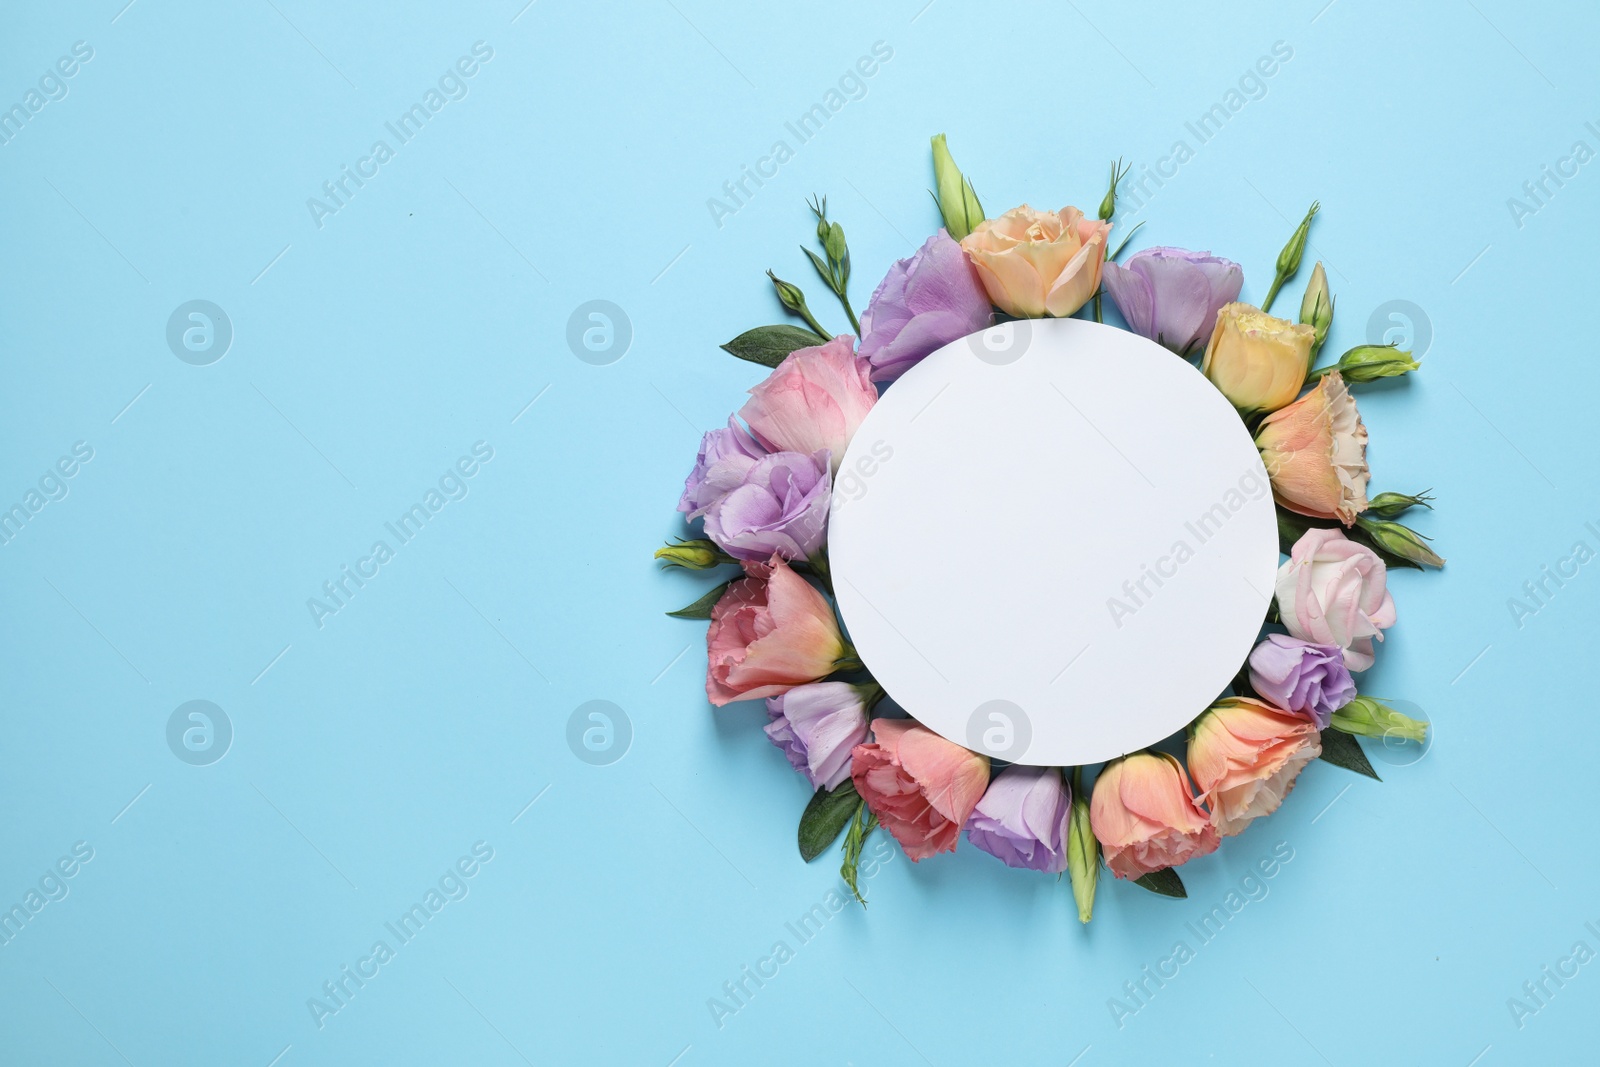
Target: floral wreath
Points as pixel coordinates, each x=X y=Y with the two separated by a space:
x=762 y=487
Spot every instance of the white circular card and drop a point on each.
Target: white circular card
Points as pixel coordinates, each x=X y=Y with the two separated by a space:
x=1053 y=542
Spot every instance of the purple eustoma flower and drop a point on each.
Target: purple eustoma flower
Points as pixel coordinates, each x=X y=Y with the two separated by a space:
x=779 y=504
x=1172 y=295
x=1023 y=819
x=922 y=304
x=1301 y=677
x=725 y=456
x=818 y=725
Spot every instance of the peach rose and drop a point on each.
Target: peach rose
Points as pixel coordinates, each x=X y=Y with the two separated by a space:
x=1335 y=592
x=1316 y=453
x=1256 y=360
x=1146 y=818
x=769 y=633
x=1037 y=263
x=921 y=787
x=814 y=399
x=1245 y=756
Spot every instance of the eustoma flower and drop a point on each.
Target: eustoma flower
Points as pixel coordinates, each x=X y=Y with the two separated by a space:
x=780 y=505
x=1037 y=263
x=770 y=634
x=1172 y=296
x=724 y=457
x=921 y=787
x=1024 y=819
x=1316 y=453
x=1301 y=676
x=1256 y=360
x=819 y=725
x=1245 y=756
x=814 y=400
x=921 y=305
x=1335 y=592
x=1145 y=816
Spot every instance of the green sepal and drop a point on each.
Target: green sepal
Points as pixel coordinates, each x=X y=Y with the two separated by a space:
x=861 y=826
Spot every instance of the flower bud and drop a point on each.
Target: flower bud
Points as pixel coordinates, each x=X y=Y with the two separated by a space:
x=1083 y=856
x=1393 y=505
x=958 y=203
x=1316 y=307
x=794 y=301
x=789 y=294
x=1367 y=717
x=833 y=242
x=1400 y=541
x=1289 y=258
x=696 y=555
x=1368 y=363
x=1108 y=206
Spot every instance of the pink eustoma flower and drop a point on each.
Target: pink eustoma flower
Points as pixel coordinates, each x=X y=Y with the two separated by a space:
x=815 y=399
x=769 y=634
x=1146 y=818
x=921 y=787
x=1315 y=451
x=1334 y=591
x=1245 y=756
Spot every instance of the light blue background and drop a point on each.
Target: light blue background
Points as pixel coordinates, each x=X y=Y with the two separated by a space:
x=425 y=716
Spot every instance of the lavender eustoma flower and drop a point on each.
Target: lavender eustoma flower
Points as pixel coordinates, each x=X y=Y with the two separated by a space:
x=725 y=456
x=1023 y=819
x=1302 y=677
x=921 y=305
x=818 y=725
x=779 y=504
x=1172 y=295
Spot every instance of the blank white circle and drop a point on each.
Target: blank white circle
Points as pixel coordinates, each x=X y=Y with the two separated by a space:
x=1053 y=541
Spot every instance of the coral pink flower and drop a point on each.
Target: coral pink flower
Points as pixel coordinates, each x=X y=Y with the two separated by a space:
x=813 y=400
x=1335 y=592
x=1146 y=818
x=1316 y=453
x=1037 y=263
x=769 y=633
x=921 y=787
x=1245 y=756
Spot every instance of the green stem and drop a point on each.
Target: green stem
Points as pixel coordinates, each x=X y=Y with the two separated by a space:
x=811 y=321
x=1272 y=294
x=1126 y=238
x=850 y=313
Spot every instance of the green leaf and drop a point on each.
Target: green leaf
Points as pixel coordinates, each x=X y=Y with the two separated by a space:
x=825 y=818
x=1291 y=526
x=768 y=345
x=823 y=270
x=701 y=609
x=1342 y=750
x=860 y=829
x=1165 y=881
